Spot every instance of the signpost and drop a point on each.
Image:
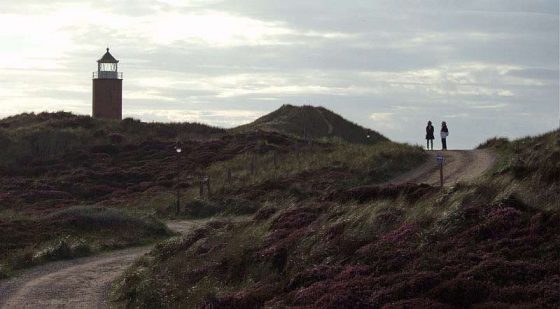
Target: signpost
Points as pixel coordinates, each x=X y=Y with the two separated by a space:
x=440 y=159
x=178 y=149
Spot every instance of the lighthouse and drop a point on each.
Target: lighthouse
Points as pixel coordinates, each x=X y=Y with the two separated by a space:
x=107 y=88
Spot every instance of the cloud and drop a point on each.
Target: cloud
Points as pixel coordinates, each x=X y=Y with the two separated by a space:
x=381 y=117
x=222 y=118
x=537 y=74
x=389 y=65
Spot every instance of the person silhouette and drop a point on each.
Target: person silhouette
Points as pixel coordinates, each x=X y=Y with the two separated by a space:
x=444 y=134
x=429 y=136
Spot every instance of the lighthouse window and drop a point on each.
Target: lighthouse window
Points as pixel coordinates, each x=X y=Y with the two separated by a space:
x=108 y=67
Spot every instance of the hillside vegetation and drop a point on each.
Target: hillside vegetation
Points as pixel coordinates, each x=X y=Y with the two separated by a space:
x=32 y=137
x=122 y=176
x=67 y=183
x=312 y=122
x=72 y=232
x=326 y=238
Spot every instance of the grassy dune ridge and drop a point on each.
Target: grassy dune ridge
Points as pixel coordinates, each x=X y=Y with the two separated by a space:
x=531 y=167
x=490 y=243
x=34 y=137
x=314 y=122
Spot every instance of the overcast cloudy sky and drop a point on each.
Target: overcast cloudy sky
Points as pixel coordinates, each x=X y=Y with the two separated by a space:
x=487 y=67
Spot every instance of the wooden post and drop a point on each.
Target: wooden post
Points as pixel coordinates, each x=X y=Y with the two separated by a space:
x=253 y=164
x=178 y=198
x=441 y=174
x=209 y=193
x=275 y=160
x=178 y=202
x=228 y=176
x=440 y=159
x=297 y=150
x=296 y=147
x=201 y=187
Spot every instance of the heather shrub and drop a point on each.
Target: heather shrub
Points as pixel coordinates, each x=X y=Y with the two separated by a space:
x=201 y=209
x=226 y=207
x=238 y=207
x=4 y=272
x=45 y=136
x=87 y=217
x=462 y=292
x=46 y=144
x=19 y=260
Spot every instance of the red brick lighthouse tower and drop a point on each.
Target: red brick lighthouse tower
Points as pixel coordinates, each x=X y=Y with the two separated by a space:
x=107 y=88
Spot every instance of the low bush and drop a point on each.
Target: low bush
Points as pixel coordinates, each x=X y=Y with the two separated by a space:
x=227 y=207
x=86 y=217
x=62 y=248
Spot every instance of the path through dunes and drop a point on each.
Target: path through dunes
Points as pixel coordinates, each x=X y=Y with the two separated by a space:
x=86 y=282
x=460 y=165
x=79 y=283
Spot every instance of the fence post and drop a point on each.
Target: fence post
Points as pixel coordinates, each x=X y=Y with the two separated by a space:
x=201 y=187
x=297 y=156
x=209 y=192
x=253 y=164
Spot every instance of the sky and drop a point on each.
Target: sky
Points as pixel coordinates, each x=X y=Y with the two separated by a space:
x=487 y=67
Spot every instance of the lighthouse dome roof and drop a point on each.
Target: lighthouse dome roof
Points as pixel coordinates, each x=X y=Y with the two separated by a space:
x=107 y=58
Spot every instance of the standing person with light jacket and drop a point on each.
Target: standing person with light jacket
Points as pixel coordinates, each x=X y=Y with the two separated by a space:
x=444 y=134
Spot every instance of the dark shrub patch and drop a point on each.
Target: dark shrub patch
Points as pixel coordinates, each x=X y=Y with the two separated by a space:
x=107 y=149
x=416 y=303
x=116 y=138
x=201 y=209
x=308 y=277
x=238 y=207
x=342 y=298
x=461 y=292
x=503 y=272
x=264 y=213
x=40 y=195
x=295 y=218
x=231 y=206
x=412 y=192
x=249 y=298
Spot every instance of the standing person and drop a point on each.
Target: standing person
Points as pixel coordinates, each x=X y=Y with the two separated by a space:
x=430 y=136
x=444 y=134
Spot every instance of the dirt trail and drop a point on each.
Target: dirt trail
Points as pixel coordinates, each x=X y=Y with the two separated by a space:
x=460 y=165
x=80 y=283
x=327 y=122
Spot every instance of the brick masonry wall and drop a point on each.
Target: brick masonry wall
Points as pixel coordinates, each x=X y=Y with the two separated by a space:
x=107 y=98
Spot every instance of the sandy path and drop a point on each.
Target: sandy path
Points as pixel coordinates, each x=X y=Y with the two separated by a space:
x=460 y=165
x=327 y=122
x=79 y=283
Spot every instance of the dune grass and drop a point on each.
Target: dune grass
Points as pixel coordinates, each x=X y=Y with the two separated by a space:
x=379 y=162
x=73 y=232
x=45 y=136
x=363 y=164
x=491 y=242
